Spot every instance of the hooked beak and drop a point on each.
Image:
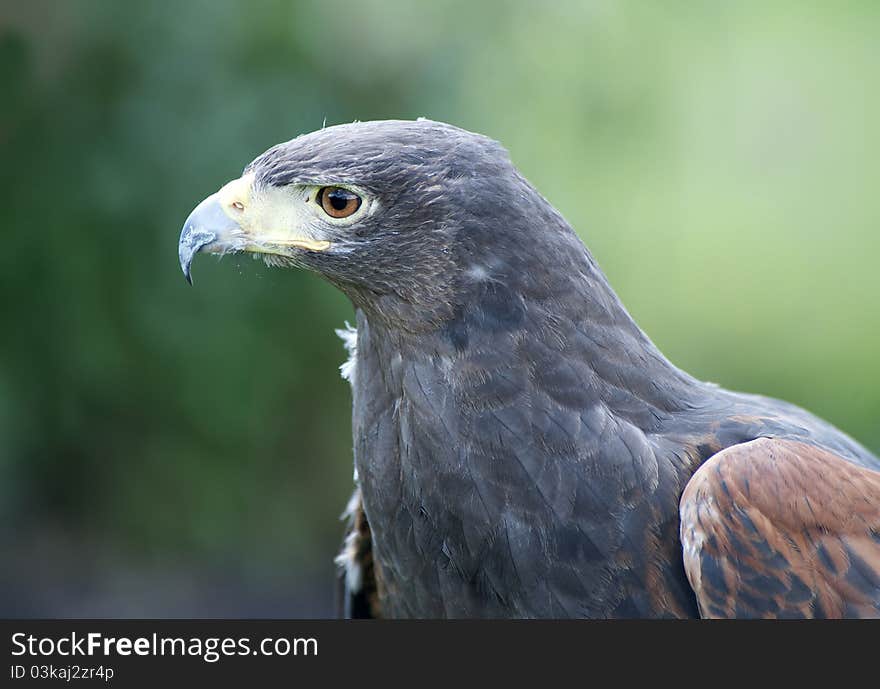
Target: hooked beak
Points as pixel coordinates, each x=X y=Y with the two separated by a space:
x=236 y=219
x=203 y=227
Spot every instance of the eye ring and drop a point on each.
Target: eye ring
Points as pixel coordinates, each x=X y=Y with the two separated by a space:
x=338 y=202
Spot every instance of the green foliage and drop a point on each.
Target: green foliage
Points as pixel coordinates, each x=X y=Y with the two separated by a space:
x=721 y=160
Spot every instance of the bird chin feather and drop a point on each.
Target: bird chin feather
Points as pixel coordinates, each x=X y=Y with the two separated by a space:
x=276 y=261
x=348 y=335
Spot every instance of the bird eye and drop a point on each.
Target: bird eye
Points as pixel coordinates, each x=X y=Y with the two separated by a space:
x=338 y=202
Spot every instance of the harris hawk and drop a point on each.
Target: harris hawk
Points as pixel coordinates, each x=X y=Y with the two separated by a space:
x=521 y=447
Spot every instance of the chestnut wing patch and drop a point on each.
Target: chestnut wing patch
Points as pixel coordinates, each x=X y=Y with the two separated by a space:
x=779 y=528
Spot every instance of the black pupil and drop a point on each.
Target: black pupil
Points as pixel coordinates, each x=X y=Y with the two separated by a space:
x=339 y=199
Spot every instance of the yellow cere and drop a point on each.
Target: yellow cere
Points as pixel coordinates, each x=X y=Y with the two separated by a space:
x=270 y=216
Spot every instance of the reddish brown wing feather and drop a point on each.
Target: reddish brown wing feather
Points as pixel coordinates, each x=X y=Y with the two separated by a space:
x=777 y=528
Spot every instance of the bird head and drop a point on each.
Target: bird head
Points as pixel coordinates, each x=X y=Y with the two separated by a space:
x=399 y=214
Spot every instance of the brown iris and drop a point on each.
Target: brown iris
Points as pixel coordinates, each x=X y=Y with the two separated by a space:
x=338 y=202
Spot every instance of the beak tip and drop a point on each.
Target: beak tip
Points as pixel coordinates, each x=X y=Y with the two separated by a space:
x=191 y=241
x=186 y=257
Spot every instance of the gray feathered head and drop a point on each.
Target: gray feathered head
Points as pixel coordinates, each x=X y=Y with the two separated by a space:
x=401 y=215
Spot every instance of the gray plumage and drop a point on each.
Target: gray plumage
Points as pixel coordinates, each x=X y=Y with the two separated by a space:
x=521 y=445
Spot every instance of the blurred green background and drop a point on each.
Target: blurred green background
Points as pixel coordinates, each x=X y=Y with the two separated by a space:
x=167 y=451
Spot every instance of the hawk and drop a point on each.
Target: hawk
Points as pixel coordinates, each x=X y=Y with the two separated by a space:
x=522 y=448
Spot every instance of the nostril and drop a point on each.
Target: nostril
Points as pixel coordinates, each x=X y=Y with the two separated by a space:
x=238 y=205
